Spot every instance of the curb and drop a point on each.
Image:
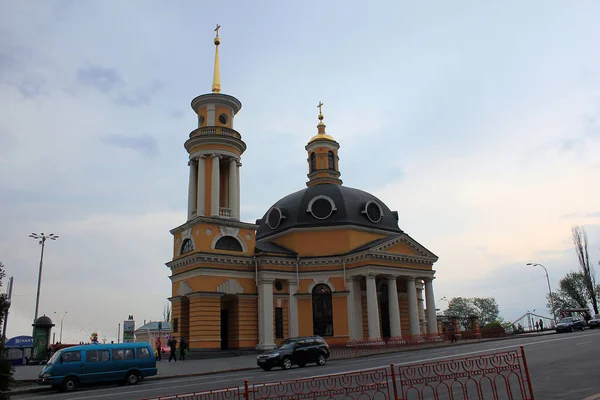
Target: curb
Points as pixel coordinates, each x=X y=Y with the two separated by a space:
x=36 y=389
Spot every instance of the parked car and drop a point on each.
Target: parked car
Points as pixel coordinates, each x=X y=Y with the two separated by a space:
x=125 y=362
x=594 y=322
x=299 y=351
x=569 y=324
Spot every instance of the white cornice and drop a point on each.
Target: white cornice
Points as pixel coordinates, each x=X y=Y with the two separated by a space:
x=214 y=221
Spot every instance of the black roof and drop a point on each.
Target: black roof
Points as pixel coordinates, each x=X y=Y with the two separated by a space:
x=349 y=203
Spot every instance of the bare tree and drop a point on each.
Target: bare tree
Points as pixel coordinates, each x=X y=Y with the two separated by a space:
x=589 y=274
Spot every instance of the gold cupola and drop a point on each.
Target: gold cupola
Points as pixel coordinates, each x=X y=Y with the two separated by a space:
x=323 y=157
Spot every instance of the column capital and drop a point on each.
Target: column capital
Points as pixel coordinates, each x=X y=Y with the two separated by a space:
x=428 y=279
x=214 y=155
x=239 y=163
x=262 y=281
x=370 y=276
x=202 y=156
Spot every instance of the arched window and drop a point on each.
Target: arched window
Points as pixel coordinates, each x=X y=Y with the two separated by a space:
x=313 y=162
x=322 y=310
x=331 y=160
x=187 y=246
x=228 y=243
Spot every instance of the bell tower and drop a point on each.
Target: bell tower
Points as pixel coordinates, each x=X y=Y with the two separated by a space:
x=322 y=156
x=215 y=149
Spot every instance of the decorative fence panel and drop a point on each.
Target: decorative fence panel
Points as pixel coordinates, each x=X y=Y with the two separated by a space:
x=495 y=376
x=368 y=384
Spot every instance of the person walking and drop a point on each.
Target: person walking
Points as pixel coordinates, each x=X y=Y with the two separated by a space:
x=182 y=348
x=158 y=348
x=541 y=325
x=173 y=347
x=452 y=333
x=537 y=326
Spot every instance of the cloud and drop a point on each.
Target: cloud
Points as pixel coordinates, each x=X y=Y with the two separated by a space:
x=595 y=214
x=140 y=96
x=100 y=78
x=143 y=144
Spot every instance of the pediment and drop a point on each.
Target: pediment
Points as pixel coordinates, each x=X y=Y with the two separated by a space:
x=404 y=244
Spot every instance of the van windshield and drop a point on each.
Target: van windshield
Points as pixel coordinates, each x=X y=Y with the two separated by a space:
x=54 y=357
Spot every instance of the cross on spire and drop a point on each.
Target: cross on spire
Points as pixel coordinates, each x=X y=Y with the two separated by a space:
x=217 y=29
x=319 y=107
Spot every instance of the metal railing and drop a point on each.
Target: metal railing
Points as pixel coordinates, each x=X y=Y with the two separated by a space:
x=501 y=375
x=215 y=130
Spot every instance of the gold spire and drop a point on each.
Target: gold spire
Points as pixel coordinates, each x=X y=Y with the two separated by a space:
x=216 y=86
x=321 y=127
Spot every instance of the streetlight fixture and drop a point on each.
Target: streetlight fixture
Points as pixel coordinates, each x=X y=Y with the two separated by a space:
x=549 y=288
x=61 y=323
x=42 y=240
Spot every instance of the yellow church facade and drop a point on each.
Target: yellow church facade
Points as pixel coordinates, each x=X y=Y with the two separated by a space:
x=327 y=260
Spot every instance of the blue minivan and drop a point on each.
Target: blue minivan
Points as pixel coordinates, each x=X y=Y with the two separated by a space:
x=78 y=365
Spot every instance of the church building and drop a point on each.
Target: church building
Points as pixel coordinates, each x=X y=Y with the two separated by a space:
x=327 y=260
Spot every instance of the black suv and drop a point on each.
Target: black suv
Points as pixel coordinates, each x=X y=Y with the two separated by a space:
x=299 y=351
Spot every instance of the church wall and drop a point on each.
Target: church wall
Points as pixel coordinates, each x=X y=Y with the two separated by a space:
x=365 y=316
x=247 y=321
x=404 y=317
x=205 y=322
x=340 y=320
x=326 y=242
x=305 y=322
x=204 y=241
x=203 y=283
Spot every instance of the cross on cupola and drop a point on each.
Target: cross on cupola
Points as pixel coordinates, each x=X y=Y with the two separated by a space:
x=322 y=156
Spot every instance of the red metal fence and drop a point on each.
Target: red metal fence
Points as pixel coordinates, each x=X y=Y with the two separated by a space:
x=492 y=376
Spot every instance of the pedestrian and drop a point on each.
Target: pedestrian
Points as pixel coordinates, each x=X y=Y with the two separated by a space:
x=541 y=325
x=182 y=348
x=537 y=326
x=173 y=347
x=452 y=333
x=158 y=348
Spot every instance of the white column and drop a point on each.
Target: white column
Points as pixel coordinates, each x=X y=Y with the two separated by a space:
x=265 y=315
x=421 y=306
x=214 y=186
x=192 y=189
x=372 y=308
x=413 y=311
x=293 y=311
x=238 y=212
x=431 y=313
x=394 y=307
x=201 y=192
x=233 y=189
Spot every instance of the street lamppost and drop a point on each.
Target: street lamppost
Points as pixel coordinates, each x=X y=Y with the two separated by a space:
x=61 y=323
x=549 y=289
x=42 y=240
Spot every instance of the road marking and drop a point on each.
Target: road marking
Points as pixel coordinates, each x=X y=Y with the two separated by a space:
x=577 y=344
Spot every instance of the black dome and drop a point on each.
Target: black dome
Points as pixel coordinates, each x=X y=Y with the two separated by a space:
x=327 y=205
x=43 y=321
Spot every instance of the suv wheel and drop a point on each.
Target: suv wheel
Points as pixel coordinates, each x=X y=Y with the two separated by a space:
x=286 y=363
x=321 y=360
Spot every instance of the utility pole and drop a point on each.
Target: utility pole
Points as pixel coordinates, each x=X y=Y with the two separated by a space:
x=10 y=286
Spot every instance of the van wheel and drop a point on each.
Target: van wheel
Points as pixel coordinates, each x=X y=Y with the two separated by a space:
x=70 y=384
x=132 y=378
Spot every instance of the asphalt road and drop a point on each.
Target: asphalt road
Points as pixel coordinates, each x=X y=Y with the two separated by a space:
x=564 y=366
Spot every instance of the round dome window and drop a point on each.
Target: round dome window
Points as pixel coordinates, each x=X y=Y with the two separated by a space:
x=321 y=207
x=373 y=211
x=274 y=218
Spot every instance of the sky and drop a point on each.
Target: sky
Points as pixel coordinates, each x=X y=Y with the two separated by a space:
x=478 y=122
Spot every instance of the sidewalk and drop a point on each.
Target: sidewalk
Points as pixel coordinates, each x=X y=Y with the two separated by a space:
x=27 y=374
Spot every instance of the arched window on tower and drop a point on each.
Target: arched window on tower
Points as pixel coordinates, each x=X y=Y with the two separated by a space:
x=187 y=246
x=313 y=162
x=322 y=310
x=331 y=160
x=228 y=243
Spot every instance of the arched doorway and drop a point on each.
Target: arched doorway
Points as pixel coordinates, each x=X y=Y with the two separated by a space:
x=322 y=310
x=385 y=311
